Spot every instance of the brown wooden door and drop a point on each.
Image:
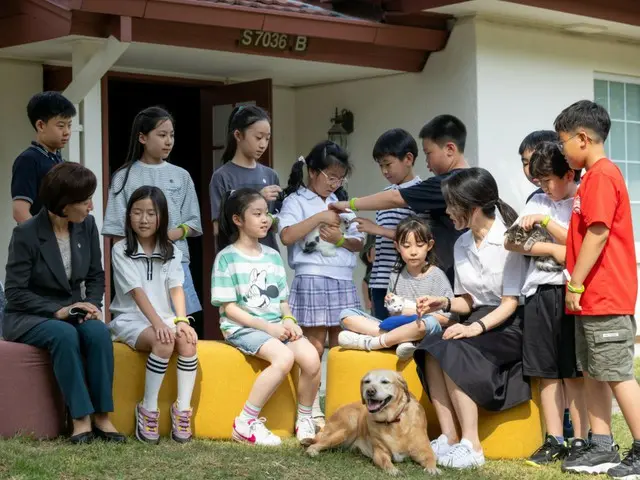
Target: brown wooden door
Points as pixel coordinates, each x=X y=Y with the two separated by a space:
x=216 y=103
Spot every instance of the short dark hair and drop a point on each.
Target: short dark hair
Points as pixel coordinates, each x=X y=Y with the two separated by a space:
x=65 y=184
x=547 y=159
x=534 y=139
x=396 y=143
x=159 y=201
x=584 y=114
x=445 y=128
x=47 y=105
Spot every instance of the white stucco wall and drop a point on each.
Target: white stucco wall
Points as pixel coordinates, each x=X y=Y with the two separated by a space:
x=18 y=82
x=525 y=78
x=447 y=85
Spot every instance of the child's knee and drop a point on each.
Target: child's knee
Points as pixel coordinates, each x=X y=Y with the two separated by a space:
x=184 y=348
x=284 y=362
x=162 y=350
x=430 y=325
x=346 y=315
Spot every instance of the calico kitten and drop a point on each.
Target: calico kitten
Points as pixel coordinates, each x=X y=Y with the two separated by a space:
x=520 y=237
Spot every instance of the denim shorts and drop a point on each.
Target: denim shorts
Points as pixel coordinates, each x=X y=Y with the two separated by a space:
x=431 y=323
x=190 y=296
x=249 y=340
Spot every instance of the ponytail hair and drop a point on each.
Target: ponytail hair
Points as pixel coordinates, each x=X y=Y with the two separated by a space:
x=234 y=202
x=322 y=156
x=241 y=118
x=475 y=187
x=143 y=123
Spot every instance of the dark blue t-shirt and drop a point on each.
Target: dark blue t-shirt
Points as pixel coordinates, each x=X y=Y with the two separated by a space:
x=28 y=171
x=534 y=193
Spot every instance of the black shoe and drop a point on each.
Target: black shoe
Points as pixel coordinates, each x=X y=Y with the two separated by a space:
x=589 y=458
x=550 y=451
x=629 y=468
x=115 y=437
x=82 y=438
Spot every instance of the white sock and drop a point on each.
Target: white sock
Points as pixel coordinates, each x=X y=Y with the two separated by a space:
x=315 y=408
x=156 y=368
x=187 y=370
x=378 y=343
x=303 y=412
x=250 y=411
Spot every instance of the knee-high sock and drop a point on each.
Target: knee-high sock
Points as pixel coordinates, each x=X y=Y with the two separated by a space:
x=187 y=370
x=156 y=368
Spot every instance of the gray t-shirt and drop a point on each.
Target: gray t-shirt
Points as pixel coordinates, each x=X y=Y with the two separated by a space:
x=177 y=186
x=233 y=177
x=433 y=283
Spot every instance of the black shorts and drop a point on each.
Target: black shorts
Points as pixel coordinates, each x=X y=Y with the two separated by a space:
x=548 y=341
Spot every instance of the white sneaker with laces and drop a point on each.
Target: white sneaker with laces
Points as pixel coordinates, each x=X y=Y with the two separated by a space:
x=440 y=446
x=254 y=432
x=462 y=455
x=354 y=341
x=405 y=350
x=305 y=430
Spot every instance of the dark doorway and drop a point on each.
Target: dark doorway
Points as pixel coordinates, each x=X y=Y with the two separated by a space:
x=126 y=98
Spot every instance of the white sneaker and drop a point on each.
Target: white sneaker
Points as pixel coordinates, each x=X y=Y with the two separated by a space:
x=354 y=341
x=462 y=455
x=317 y=414
x=405 y=350
x=440 y=446
x=254 y=432
x=305 y=430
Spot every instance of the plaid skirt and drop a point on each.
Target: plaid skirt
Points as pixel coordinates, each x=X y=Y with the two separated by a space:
x=317 y=301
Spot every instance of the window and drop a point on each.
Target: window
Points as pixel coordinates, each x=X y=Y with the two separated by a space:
x=622 y=101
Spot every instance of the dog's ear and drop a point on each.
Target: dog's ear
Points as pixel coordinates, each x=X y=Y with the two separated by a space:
x=362 y=394
x=403 y=384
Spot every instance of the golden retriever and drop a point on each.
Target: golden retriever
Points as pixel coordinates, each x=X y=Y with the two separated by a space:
x=388 y=426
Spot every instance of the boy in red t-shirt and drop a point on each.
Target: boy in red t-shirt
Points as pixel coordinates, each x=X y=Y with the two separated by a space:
x=602 y=289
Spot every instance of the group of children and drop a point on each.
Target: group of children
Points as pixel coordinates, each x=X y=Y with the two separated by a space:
x=581 y=353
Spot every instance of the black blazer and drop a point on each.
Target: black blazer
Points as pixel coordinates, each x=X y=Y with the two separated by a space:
x=36 y=285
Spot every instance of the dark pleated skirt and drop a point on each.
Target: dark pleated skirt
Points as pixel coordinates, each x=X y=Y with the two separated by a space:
x=488 y=367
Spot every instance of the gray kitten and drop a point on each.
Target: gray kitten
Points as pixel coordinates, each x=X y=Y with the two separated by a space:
x=520 y=237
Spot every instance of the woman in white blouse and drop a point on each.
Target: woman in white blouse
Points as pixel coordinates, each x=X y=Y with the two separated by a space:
x=478 y=362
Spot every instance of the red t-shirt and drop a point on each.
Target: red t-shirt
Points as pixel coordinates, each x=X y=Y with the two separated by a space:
x=612 y=285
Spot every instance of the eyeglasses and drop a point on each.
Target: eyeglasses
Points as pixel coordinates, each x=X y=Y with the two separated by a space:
x=561 y=144
x=334 y=181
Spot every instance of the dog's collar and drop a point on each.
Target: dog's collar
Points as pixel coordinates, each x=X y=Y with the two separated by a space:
x=397 y=419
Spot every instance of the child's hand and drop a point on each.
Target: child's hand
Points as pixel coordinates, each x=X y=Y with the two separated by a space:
x=164 y=334
x=182 y=329
x=295 y=332
x=340 y=207
x=430 y=304
x=330 y=233
x=329 y=217
x=278 y=330
x=529 y=221
x=271 y=192
x=572 y=301
x=366 y=226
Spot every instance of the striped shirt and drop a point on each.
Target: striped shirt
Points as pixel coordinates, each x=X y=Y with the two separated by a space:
x=386 y=253
x=433 y=283
x=175 y=183
x=256 y=284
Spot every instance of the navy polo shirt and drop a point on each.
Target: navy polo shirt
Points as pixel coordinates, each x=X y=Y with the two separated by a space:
x=28 y=171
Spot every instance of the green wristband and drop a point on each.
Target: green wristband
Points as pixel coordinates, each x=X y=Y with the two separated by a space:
x=340 y=242
x=352 y=204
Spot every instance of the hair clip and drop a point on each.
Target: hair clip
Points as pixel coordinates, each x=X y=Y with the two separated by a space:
x=301 y=159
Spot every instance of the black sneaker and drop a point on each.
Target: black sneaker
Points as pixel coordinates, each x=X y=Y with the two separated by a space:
x=589 y=458
x=550 y=451
x=629 y=468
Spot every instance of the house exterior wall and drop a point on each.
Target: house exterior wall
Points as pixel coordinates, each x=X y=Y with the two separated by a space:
x=18 y=82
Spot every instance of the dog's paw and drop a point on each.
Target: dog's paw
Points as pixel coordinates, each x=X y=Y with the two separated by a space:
x=433 y=471
x=312 y=451
x=394 y=472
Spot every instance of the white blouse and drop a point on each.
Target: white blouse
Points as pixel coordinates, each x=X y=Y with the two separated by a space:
x=488 y=272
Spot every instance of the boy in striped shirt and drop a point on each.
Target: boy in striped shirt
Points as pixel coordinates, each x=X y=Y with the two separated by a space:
x=395 y=152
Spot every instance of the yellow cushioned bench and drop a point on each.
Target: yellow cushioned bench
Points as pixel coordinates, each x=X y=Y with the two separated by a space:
x=225 y=377
x=514 y=433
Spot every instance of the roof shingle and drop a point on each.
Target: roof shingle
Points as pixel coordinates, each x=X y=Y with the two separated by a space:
x=292 y=6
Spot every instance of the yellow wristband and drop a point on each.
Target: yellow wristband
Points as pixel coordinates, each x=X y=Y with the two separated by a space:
x=573 y=289
x=340 y=242
x=185 y=231
x=178 y=320
x=545 y=221
x=289 y=317
x=352 y=204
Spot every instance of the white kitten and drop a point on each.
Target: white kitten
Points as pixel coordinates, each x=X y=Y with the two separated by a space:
x=396 y=304
x=313 y=242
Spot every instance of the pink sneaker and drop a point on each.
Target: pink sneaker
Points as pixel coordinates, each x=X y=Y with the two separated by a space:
x=181 y=424
x=254 y=432
x=147 y=425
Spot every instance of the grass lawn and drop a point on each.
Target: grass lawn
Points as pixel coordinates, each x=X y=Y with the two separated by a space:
x=22 y=458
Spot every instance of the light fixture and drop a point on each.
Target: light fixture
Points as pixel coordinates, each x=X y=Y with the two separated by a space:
x=341 y=128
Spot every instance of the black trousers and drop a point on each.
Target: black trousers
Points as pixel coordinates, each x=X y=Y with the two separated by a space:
x=70 y=346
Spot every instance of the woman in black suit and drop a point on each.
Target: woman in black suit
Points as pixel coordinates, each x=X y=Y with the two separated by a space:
x=54 y=288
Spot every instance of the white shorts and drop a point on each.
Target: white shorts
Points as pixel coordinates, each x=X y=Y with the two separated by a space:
x=126 y=328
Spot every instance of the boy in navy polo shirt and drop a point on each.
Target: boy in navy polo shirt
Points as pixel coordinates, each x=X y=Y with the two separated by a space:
x=50 y=114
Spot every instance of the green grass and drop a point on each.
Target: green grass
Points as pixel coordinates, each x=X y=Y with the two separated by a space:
x=26 y=459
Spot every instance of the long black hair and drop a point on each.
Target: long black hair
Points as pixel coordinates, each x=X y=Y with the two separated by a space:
x=241 y=118
x=422 y=233
x=144 y=122
x=475 y=187
x=162 y=221
x=322 y=156
x=234 y=202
